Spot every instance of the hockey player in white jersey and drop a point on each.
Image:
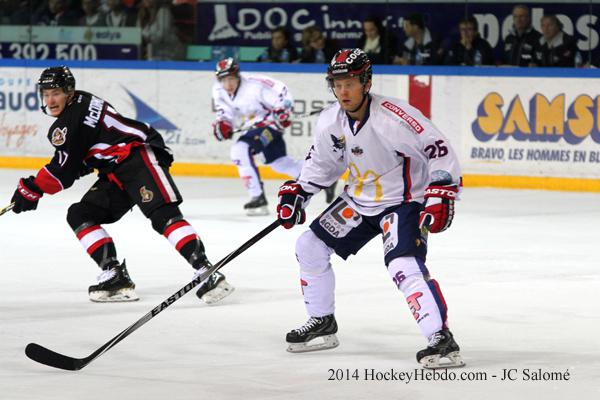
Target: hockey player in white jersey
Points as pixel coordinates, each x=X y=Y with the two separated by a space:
x=403 y=180
x=261 y=108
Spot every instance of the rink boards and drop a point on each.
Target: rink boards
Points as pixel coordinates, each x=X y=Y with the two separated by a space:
x=523 y=128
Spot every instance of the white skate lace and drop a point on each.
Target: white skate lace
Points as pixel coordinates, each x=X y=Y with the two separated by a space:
x=107 y=275
x=435 y=339
x=312 y=322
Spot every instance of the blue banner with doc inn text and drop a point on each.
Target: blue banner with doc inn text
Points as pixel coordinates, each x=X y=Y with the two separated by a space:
x=250 y=23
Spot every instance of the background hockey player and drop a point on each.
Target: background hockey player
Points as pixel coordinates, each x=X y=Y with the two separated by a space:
x=261 y=107
x=133 y=164
x=397 y=159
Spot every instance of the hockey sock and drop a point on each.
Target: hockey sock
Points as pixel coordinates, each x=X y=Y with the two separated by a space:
x=422 y=294
x=98 y=244
x=316 y=275
x=241 y=155
x=185 y=240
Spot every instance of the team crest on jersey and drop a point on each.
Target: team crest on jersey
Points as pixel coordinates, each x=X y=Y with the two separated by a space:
x=338 y=144
x=59 y=136
x=357 y=151
x=146 y=194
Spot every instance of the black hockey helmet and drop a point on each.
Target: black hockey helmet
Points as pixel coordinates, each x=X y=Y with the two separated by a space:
x=349 y=63
x=227 y=66
x=57 y=77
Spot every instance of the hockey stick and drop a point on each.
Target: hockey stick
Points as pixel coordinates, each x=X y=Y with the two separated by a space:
x=310 y=114
x=51 y=358
x=7 y=208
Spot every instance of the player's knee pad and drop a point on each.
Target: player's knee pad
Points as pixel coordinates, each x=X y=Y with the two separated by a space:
x=164 y=216
x=407 y=272
x=240 y=153
x=84 y=213
x=312 y=253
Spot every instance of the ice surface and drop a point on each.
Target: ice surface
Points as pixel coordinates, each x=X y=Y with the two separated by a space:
x=519 y=271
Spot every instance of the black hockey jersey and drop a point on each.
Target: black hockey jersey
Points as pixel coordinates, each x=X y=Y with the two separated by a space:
x=90 y=133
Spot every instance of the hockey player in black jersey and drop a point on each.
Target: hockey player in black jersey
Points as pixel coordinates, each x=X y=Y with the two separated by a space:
x=133 y=169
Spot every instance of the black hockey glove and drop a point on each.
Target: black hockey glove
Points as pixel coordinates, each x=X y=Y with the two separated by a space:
x=290 y=210
x=26 y=196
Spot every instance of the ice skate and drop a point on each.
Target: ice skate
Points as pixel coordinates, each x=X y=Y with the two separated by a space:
x=214 y=289
x=257 y=206
x=318 y=333
x=441 y=346
x=330 y=193
x=114 y=285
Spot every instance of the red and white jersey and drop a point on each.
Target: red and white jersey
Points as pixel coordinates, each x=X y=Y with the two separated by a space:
x=392 y=156
x=252 y=103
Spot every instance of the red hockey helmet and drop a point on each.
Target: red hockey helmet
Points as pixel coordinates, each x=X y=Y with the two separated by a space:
x=227 y=66
x=349 y=63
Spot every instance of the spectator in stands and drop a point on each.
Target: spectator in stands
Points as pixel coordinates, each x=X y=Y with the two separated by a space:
x=555 y=48
x=57 y=13
x=316 y=48
x=379 y=44
x=421 y=48
x=281 y=48
x=24 y=12
x=471 y=49
x=93 y=16
x=118 y=16
x=522 y=39
x=158 y=33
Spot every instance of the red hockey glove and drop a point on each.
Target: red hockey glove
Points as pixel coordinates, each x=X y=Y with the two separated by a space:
x=281 y=118
x=223 y=130
x=439 y=207
x=26 y=196
x=290 y=209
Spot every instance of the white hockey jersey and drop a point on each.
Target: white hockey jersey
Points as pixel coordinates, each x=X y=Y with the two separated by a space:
x=391 y=158
x=252 y=103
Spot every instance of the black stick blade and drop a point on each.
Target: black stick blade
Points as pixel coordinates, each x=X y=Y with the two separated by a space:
x=53 y=359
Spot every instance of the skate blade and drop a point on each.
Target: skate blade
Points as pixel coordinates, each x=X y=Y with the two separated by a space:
x=256 y=212
x=222 y=290
x=451 y=360
x=117 y=296
x=319 y=343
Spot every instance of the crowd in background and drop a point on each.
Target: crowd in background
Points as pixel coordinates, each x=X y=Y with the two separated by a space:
x=167 y=27
x=524 y=46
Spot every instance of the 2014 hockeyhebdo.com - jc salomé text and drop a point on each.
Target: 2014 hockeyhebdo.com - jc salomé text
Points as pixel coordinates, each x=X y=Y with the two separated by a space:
x=445 y=375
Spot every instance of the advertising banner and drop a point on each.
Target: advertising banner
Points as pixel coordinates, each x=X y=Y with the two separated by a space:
x=249 y=23
x=69 y=43
x=503 y=125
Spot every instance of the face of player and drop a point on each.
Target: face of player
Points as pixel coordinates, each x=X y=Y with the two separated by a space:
x=350 y=92
x=549 y=28
x=56 y=100
x=230 y=83
x=521 y=19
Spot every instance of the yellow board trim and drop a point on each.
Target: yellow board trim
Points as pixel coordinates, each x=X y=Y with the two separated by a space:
x=230 y=171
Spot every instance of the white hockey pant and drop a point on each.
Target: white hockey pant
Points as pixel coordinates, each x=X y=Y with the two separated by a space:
x=316 y=275
x=241 y=155
x=422 y=294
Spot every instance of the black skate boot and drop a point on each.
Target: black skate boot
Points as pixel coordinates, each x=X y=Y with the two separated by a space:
x=114 y=284
x=441 y=345
x=257 y=206
x=215 y=287
x=330 y=193
x=321 y=329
